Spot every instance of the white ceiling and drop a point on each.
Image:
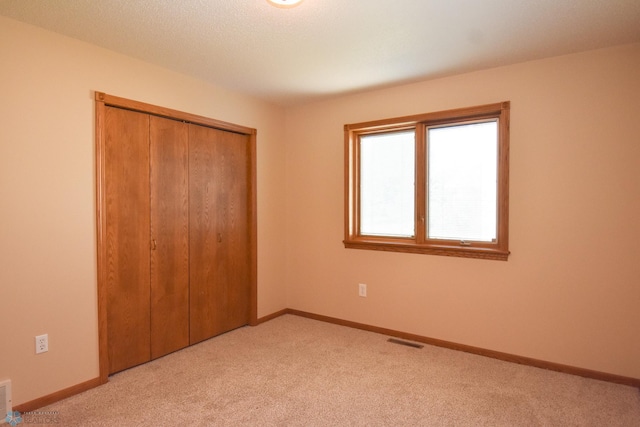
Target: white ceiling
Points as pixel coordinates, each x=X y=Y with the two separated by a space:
x=329 y=47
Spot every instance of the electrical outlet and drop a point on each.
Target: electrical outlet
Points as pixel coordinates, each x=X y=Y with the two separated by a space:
x=42 y=343
x=362 y=290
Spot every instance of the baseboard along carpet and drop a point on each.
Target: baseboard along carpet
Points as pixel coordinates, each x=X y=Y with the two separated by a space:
x=294 y=371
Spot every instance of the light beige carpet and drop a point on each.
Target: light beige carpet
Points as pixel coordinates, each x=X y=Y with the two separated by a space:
x=293 y=371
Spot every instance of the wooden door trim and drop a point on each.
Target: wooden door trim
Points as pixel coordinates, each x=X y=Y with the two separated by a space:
x=101 y=225
x=128 y=104
x=253 y=232
x=103 y=100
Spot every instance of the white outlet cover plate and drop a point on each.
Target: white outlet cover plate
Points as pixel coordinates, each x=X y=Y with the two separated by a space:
x=362 y=290
x=42 y=343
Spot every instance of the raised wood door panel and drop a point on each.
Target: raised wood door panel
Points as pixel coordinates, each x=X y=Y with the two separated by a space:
x=126 y=212
x=219 y=231
x=169 y=235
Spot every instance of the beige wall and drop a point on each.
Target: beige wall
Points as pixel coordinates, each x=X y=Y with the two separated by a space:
x=47 y=208
x=570 y=292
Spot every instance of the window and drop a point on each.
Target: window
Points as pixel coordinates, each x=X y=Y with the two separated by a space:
x=434 y=183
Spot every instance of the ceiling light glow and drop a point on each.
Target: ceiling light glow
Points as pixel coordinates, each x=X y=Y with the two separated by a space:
x=284 y=3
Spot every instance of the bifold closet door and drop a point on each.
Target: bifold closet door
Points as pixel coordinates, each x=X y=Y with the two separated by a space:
x=219 y=231
x=169 y=235
x=126 y=212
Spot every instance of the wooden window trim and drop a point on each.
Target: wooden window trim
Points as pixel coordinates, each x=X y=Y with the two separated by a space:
x=419 y=244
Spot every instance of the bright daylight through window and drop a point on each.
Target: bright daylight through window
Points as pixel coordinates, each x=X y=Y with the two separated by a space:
x=435 y=183
x=386 y=184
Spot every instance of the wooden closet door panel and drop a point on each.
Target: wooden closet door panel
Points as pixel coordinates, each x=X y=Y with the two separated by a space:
x=203 y=234
x=169 y=236
x=233 y=211
x=127 y=237
x=219 y=231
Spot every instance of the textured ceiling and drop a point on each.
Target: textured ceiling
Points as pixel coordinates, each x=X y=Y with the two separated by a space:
x=329 y=47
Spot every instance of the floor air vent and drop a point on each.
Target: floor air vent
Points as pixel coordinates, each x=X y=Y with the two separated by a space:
x=403 y=342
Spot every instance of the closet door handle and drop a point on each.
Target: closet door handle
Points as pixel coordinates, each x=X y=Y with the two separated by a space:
x=219 y=238
x=153 y=244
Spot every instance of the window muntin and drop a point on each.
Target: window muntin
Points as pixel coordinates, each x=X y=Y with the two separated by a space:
x=442 y=225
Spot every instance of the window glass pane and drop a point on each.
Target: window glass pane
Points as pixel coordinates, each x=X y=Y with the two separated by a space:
x=387 y=181
x=462 y=182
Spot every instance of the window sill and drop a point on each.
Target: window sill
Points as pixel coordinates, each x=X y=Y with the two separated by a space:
x=398 y=246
